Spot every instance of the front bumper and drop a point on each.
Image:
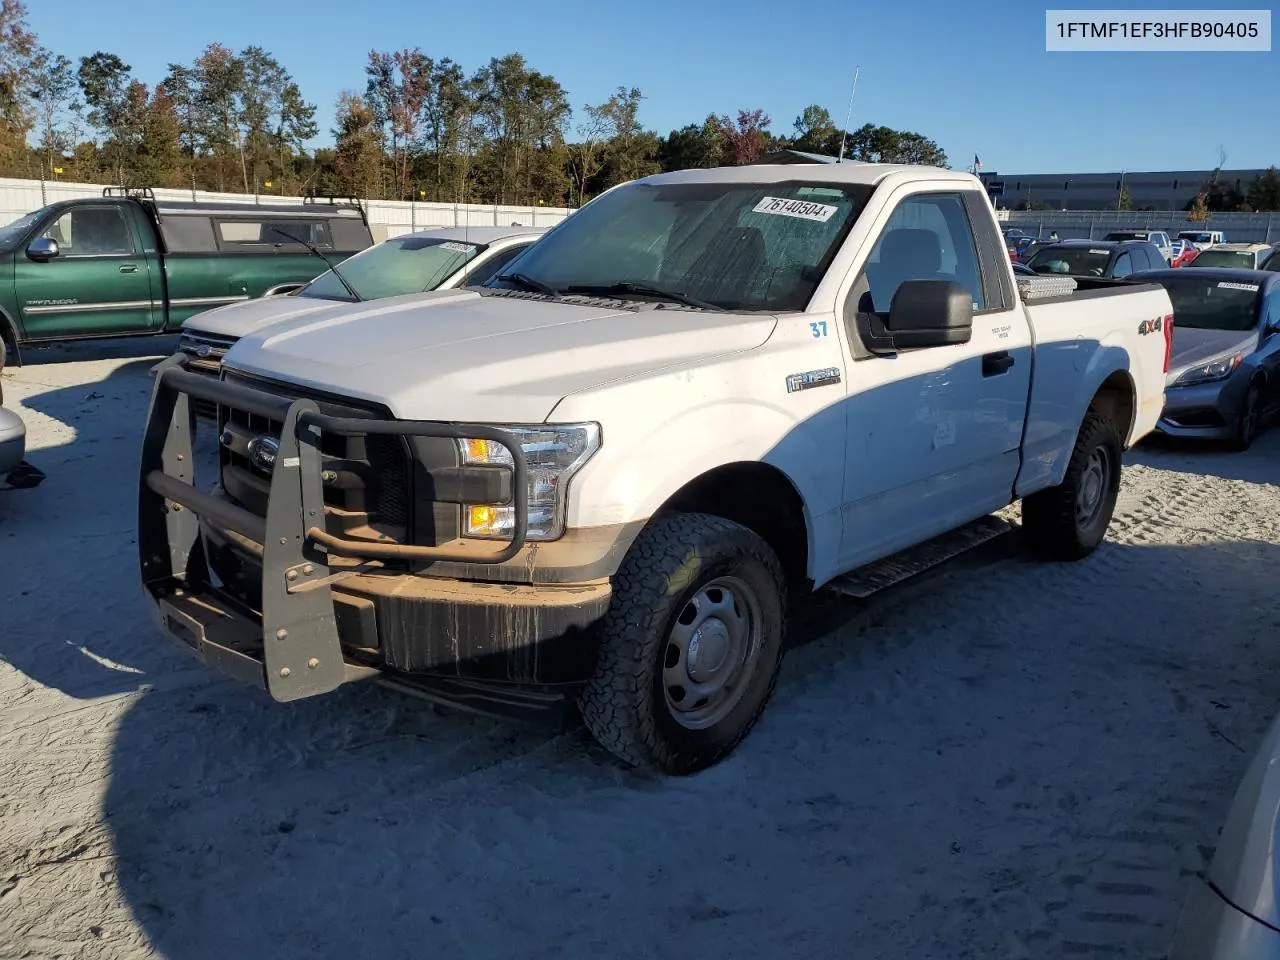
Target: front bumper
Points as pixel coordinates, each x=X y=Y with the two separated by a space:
x=1203 y=411
x=283 y=602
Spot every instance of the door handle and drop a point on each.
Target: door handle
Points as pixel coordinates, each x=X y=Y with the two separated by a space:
x=994 y=364
x=128 y=268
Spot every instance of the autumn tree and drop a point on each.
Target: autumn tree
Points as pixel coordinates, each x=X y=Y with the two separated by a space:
x=745 y=139
x=358 y=152
x=17 y=47
x=1198 y=208
x=398 y=91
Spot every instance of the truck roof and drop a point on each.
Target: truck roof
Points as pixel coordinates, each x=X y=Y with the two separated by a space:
x=858 y=173
x=300 y=210
x=1260 y=278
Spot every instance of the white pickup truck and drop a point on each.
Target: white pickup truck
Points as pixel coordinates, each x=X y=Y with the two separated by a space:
x=600 y=479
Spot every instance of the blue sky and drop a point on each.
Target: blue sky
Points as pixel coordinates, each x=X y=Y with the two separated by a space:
x=975 y=78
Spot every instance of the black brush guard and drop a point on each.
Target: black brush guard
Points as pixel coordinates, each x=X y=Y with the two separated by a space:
x=292 y=647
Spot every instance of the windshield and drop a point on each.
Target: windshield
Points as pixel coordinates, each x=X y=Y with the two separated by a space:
x=1225 y=258
x=394 y=267
x=12 y=233
x=732 y=246
x=1075 y=261
x=1212 y=304
x=1126 y=235
x=1195 y=237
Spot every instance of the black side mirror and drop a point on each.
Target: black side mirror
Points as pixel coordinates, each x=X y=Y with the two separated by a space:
x=930 y=313
x=42 y=249
x=923 y=313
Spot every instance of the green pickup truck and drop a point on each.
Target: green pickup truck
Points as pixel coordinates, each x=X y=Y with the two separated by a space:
x=127 y=264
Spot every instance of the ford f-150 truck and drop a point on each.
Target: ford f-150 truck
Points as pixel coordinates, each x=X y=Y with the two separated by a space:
x=126 y=264
x=601 y=479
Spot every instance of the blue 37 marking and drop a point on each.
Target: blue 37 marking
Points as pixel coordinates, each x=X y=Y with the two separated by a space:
x=819 y=328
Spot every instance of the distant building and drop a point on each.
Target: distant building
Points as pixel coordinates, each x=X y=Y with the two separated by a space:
x=1165 y=190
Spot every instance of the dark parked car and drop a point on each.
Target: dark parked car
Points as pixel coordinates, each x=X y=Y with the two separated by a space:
x=1113 y=259
x=1224 y=375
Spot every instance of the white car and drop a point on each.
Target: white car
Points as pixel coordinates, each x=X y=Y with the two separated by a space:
x=604 y=479
x=1245 y=256
x=438 y=259
x=1203 y=239
x=1158 y=238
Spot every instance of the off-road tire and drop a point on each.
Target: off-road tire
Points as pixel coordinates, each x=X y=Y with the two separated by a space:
x=624 y=704
x=1049 y=517
x=1250 y=420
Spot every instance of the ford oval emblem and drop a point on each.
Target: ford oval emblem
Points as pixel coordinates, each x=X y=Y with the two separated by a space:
x=203 y=351
x=262 y=453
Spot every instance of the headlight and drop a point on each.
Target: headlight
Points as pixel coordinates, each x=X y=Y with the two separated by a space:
x=1218 y=369
x=553 y=455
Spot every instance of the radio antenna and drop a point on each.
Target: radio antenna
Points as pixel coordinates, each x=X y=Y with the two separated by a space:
x=844 y=134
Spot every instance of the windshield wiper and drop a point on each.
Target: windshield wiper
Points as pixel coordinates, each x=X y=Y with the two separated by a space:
x=642 y=289
x=529 y=283
x=329 y=263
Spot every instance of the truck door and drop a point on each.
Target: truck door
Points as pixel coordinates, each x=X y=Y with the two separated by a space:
x=96 y=285
x=934 y=434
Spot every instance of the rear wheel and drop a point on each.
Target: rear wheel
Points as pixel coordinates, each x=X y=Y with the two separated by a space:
x=1069 y=521
x=1250 y=419
x=691 y=646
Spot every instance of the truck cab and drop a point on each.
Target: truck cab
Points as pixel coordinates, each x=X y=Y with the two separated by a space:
x=601 y=478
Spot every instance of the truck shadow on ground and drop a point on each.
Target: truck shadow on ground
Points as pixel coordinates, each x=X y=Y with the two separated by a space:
x=71 y=539
x=943 y=774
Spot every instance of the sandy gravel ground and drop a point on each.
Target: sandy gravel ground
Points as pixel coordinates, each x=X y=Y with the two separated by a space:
x=1004 y=760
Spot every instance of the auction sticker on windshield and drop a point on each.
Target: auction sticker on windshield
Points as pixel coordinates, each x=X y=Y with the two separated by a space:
x=457 y=247
x=821 y=212
x=1251 y=287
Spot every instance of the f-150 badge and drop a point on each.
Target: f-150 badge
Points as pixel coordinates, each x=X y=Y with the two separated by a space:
x=812 y=378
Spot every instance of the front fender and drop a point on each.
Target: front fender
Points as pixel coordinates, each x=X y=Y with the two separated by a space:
x=645 y=460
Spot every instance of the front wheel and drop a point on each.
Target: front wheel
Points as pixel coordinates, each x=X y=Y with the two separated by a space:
x=1069 y=521
x=690 y=647
x=1249 y=421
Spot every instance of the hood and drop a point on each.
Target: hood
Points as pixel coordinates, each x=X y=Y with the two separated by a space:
x=1192 y=348
x=236 y=319
x=457 y=355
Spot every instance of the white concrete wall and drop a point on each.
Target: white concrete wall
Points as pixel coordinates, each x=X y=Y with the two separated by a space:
x=387 y=218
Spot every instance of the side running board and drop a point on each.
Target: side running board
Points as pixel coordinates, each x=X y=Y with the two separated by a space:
x=916 y=560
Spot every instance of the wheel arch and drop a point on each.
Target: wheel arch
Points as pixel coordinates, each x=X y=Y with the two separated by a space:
x=1116 y=398
x=760 y=497
x=11 y=339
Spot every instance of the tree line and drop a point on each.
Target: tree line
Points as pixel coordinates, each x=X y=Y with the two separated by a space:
x=421 y=128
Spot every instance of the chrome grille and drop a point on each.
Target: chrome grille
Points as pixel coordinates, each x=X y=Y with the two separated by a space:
x=371 y=474
x=205 y=349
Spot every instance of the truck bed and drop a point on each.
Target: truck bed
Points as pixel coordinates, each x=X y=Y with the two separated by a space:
x=1101 y=326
